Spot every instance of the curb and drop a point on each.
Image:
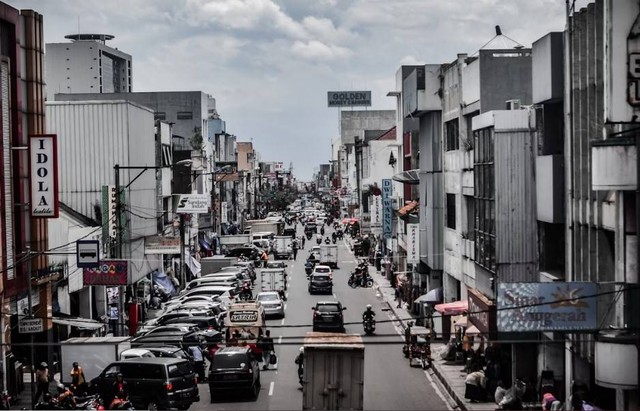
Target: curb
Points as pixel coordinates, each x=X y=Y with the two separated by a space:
x=453 y=398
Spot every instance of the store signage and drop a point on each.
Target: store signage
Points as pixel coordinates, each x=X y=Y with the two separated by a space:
x=482 y=312
x=109 y=203
x=156 y=244
x=387 y=210
x=376 y=211
x=108 y=272
x=43 y=176
x=193 y=204
x=30 y=326
x=556 y=306
x=349 y=98
x=413 y=243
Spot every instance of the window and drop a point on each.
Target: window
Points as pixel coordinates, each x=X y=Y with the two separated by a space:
x=160 y=115
x=185 y=115
x=484 y=199
x=451 y=211
x=451 y=135
x=180 y=369
x=471 y=217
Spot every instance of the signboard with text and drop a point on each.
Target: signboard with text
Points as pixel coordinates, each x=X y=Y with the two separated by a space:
x=348 y=98
x=376 y=211
x=108 y=272
x=156 y=244
x=413 y=243
x=387 y=209
x=556 y=306
x=30 y=326
x=223 y=212
x=193 y=204
x=43 y=176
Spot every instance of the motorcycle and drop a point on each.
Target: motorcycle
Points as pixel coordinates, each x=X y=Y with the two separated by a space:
x=120 y=404
x=327 y=241
x=513 y=397
x=319 y=240
x=356 y=280
x=245 y=294
x=309 y=234
x=369 y=325
x=5 y=400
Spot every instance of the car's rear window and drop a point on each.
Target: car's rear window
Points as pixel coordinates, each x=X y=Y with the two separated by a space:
x=323 y=270
x=326 y=308
x=180 y=369
x=268 y=297
x=230 y=361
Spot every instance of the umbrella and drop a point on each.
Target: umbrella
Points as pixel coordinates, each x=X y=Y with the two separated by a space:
x=345 y=220
x=433 y=296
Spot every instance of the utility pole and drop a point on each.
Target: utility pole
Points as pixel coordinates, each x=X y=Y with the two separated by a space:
x=30 y=302
x=119 y=329
x=358 y=153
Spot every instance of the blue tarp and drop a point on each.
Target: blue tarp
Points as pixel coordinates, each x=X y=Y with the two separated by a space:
x=163 y=280
x=204 y=244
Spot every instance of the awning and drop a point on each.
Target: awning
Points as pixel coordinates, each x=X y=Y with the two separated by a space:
x=408 y=177
x=409 y=208
x=433 y=296
x=204 y=244
x=82 y=323
x=453 y=308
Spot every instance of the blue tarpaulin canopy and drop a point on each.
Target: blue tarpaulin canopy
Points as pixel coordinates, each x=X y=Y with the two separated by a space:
x=162 y=279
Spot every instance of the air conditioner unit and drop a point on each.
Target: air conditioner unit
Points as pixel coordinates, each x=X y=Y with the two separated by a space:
x=513 y=104
x=396 y=203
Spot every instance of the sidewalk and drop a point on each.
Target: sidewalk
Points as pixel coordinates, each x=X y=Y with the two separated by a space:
x=449 y=376
x=23 y=400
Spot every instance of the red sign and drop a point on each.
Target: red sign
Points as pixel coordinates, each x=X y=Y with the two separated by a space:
x=108 y=272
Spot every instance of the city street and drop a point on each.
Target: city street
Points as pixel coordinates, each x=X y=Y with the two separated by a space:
x=389 y=381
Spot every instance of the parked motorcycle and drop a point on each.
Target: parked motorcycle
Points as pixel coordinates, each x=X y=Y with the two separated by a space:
x=369 y=326
x=513 y=397
x=327 y=241
x=309 y=234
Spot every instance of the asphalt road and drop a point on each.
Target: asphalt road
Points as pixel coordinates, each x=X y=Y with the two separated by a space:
x=390 y=384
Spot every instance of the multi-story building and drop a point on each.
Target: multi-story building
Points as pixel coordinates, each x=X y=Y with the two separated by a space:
x=86 y=65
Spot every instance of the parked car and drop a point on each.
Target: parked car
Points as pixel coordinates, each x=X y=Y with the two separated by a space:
x=250 y=252
x=177 y=338
x=154 y=383
x=234 y=369
x=327 y=315
x=271 y=302
x=320 y=283
x=168 y=351
x=203 y=323
x=136 y=353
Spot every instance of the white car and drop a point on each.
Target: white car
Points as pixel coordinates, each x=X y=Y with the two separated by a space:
x=136 y=353
x=271 y=303
x=323 y=269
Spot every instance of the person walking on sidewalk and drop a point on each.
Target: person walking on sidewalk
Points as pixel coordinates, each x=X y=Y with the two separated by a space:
x=267 y=349
x=295 y=248
x=399 y=296
x=42 y=379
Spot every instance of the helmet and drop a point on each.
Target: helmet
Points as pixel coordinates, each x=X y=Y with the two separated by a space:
x=301 y=349
x=44 y=364
x=368 y=307
x=119 y=375
x=61 y=388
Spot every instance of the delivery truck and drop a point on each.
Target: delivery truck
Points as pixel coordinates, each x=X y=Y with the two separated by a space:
x=333 y=372
x=282 y=247
x=93 y=354
x=211 y=265
x=234 y=241
x=273 y=226
x=273 y=279
x=329 y=255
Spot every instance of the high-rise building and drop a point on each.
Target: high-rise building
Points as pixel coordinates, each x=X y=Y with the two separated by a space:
x=86 y=65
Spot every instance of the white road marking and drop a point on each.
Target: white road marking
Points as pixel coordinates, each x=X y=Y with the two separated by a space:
x=280 y=340
x=282 y=322
x=271 y=388
x=334 y=295
x=285 y=306
x=287 y=295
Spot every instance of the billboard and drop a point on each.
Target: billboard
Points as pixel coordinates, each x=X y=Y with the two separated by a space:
x=348 y=98
x=108 y=272
x=557 y=306
x=43 y=176
x=156 y=244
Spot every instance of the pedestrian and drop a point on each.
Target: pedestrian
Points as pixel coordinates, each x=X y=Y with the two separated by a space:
x=267 y=349
x=198 y=361
x=77 y=378
x=399 y=296
x=265 y=259
x=295 y=249
x=42 y=378
x=303 y=241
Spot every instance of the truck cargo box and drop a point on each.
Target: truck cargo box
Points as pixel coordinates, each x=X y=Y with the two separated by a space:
x=216 y=263
x=93 y=354
x=333 y=372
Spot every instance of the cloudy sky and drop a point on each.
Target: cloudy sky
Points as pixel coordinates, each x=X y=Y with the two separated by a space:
x=270 y=63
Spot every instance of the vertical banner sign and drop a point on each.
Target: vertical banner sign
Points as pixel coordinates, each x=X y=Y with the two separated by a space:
x=223 y=212
x=109 y=212
x=387 y=212
x=413 y=243
x=376 y=211
x=43 y=176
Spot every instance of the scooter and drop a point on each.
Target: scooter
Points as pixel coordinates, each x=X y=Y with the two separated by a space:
x=369 y=326
x=334 y=238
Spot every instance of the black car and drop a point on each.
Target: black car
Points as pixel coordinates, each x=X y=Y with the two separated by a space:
x=250 y=252
x=311 y=228
x=320 y=283
x=327 y=315
x=289 y=232
x=169 y=351
x=172 y=338
x=203 y=323
x=154 y=383
x=234 y=369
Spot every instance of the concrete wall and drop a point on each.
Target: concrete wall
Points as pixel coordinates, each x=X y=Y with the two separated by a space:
x=504 y=75
x=353 y=123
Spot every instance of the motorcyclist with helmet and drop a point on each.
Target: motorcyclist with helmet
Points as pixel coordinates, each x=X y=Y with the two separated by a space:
x=368 y=320
x=300 y=362
x=120 y=390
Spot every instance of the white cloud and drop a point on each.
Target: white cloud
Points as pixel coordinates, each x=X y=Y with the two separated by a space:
x=316 y=50
x=410 y=61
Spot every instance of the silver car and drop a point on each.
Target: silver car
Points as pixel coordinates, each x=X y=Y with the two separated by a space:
x=271 y=303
